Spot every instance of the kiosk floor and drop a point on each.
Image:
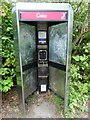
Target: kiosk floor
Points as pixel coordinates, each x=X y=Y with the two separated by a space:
x=42 y=107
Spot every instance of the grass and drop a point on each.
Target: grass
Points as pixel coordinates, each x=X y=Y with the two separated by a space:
x=59 y=103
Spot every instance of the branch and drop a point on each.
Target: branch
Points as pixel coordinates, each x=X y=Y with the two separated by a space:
x=80 y=37
x=78 y=7
x=81 y=33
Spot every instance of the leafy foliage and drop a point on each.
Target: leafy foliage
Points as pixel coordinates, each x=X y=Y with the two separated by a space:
x=79 y=72
x=79 y=79
x=8 y=63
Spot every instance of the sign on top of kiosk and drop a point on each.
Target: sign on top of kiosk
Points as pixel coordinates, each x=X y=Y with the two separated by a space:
x=43 y=15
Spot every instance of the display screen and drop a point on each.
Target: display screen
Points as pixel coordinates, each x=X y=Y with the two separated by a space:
x=42 y=37
x=42 y=55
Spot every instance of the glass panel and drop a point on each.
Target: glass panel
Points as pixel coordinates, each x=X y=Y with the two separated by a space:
x=30 y=81
x=57 y=43
x=27 y=43
x=57 y=80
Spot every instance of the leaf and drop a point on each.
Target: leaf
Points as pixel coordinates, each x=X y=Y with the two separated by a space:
x=5 y=88
x=5 y=38
x=8 y=29
x=76 y=58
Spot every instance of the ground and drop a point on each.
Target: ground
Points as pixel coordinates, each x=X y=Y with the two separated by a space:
x=37 y=106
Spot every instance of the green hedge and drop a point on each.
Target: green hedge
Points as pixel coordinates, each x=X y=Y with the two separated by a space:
x=8 y=62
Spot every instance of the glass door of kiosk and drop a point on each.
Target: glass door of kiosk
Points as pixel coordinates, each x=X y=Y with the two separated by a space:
x=57 y=57
x=27 y=46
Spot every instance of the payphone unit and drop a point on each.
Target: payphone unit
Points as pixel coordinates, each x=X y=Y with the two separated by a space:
x=42 y=49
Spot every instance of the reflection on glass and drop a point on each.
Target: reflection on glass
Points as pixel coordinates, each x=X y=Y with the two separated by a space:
x=30 y=83
x=27 y=43
x=57 y=43
x=57 y=80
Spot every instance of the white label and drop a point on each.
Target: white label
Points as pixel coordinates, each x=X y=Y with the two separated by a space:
x=41 y=15
x=43 y=88
x=41 y=35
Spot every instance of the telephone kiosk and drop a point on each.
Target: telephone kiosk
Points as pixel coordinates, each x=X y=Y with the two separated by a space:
x=42 y=41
